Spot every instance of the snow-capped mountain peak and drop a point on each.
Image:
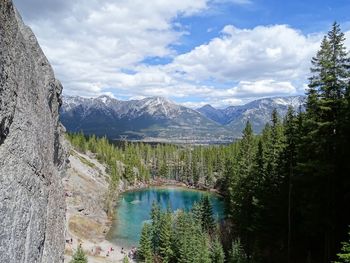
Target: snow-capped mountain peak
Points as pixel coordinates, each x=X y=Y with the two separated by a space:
x=158 y=116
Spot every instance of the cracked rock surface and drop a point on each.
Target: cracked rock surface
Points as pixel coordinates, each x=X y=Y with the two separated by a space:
x=32 y=151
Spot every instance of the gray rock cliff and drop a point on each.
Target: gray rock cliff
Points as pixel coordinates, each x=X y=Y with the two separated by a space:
x=32 y=152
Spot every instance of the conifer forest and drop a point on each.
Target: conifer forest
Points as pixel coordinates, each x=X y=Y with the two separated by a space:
x=286 y=191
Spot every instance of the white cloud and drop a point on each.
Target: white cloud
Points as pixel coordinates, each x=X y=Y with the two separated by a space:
x=92 y=44
x=263 y=88
x=265 y=52
x=89 y=42
x=347 y=40
x=238 y=2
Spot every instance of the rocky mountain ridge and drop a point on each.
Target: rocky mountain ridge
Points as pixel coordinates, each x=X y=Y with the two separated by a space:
x=153 y=118
x=159 y=119
x=258 y=112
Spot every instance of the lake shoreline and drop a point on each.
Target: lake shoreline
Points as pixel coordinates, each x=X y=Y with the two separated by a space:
x=167 y=183
x=85 y=177
x=126 y=227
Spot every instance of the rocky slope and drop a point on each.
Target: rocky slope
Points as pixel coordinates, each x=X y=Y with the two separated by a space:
x=87 y=222
x=32 y=155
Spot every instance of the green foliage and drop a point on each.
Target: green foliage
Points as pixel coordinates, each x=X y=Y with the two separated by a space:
x=286 y=189
x=145 y=247
x=156 y=217
x=344 y=255
x=237 y=254
x=217 y=254
x=179 y=238
x=134 y=162
x=208 y=221
x=79 y=256
x=165 y=237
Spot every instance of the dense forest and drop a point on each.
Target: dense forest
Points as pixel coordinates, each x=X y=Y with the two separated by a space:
x=181 y=237
x=287 y=191
x=201 y=166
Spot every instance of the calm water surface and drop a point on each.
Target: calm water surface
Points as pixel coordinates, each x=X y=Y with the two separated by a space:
x=134 y=207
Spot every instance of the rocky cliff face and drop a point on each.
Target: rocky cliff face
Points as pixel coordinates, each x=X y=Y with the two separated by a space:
x=32 y=158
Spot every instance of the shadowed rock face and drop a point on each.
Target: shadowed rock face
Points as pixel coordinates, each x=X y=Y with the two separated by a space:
x=32 y=156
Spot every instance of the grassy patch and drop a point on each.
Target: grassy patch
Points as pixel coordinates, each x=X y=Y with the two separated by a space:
x=85 y=228
x=86 y=161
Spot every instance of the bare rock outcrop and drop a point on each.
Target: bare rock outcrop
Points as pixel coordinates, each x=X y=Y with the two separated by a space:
x=32 y=155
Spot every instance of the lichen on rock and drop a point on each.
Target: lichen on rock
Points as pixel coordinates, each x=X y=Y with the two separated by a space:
x=32 y=151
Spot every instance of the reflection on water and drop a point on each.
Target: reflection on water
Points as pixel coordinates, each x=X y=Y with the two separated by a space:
x=133 y=210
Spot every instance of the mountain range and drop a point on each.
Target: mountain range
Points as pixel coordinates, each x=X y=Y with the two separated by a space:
x=258 y=112
x=159 y=119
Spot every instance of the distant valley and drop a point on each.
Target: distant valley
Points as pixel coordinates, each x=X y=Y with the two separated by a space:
x=159 y=119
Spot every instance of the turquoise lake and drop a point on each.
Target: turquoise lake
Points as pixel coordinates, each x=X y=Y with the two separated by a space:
x=133 y=209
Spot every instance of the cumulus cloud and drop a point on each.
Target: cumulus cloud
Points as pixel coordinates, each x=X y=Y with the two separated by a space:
x=265 y=52
x=243 y=92
x=238 y=2
x=98 y=47
x=89 y=42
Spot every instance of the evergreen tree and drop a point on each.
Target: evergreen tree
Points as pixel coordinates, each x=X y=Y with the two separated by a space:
x=237 y=254
x=208 y=221
x=182 y=238
x=322 y=161
x=79 y=256
x=145 y=247
x=203 y=249
x=165 y=237
x=217 y=254
x=241 y=192
x=344 y=255
x=246 y=152
x=288 y=164
x=156 y=217
x=197 y=212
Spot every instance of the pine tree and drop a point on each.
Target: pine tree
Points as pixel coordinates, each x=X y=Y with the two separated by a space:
x=202 y=248
x=197 y=212
x=237 y=254
x=241 y=191
x=155 y=216
x=323 y=161
x=79 y=256
x=164 y=171
x=208 y=221
x=182 y=237
x=246 y=152
x=145 y=247
x=165 y=237
x=344 y=255
x=217 y=254
x=289 y=158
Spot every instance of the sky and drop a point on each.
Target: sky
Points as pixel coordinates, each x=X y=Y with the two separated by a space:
x=194 y=52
